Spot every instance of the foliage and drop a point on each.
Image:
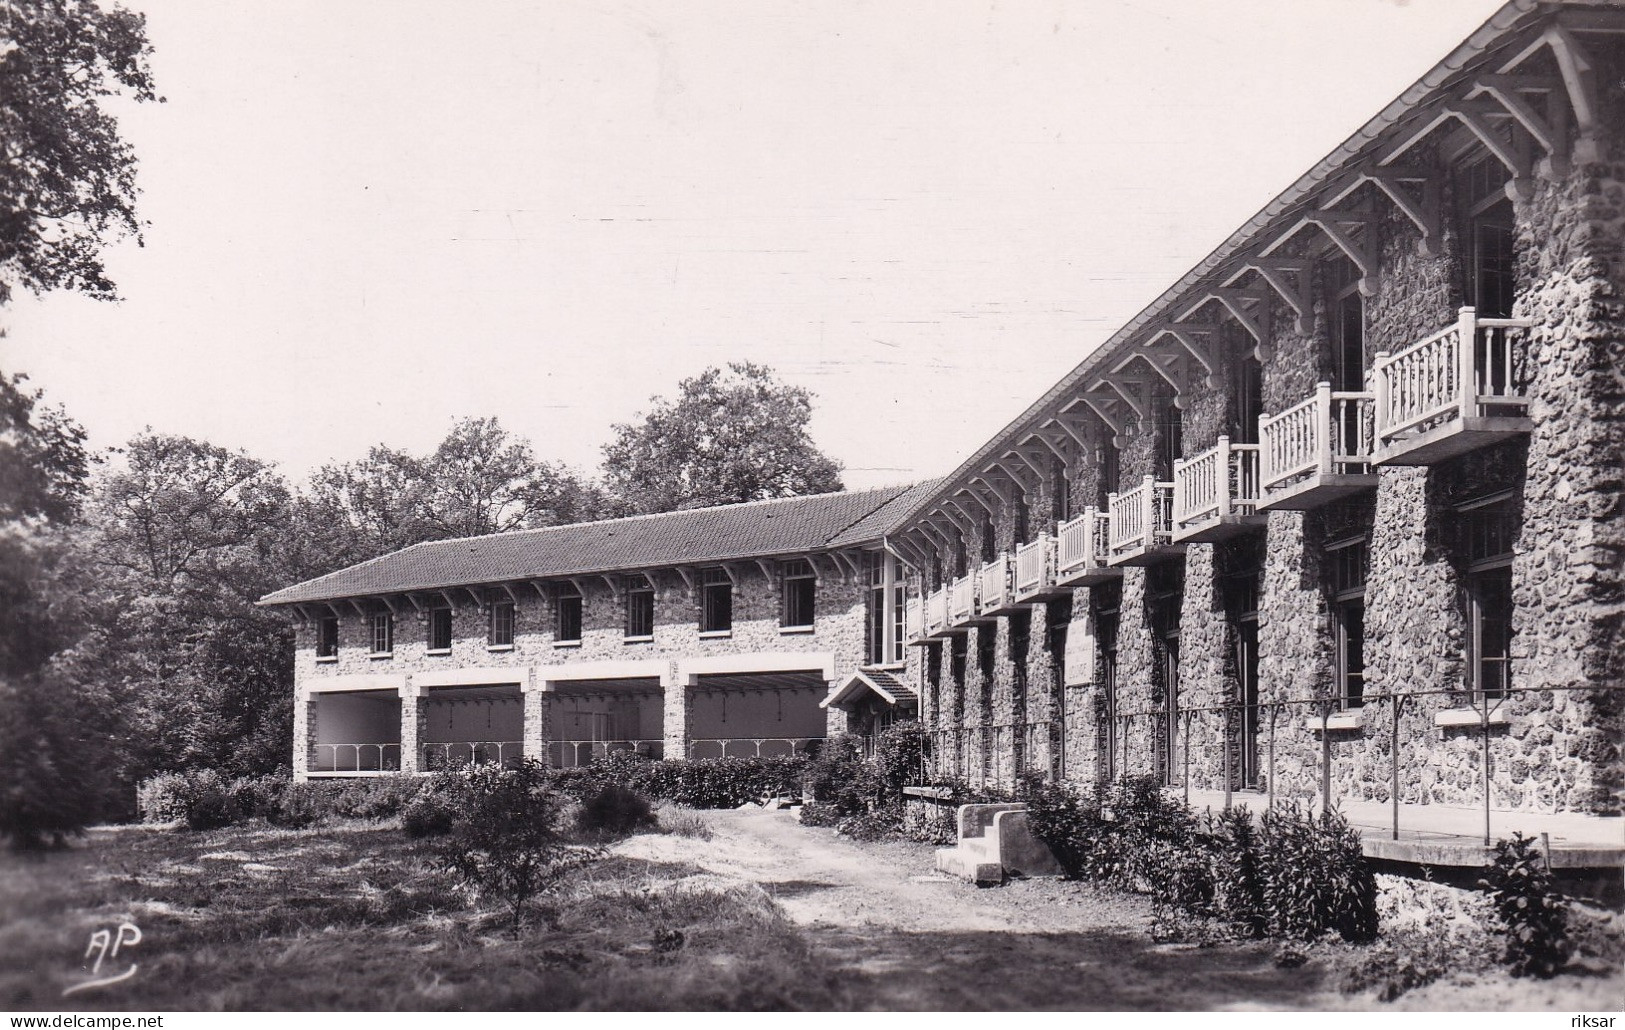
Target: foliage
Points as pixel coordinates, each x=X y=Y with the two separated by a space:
x=733 y=436
x=876 y=824
x=43 y=463
x=1294 y=875
x=51 y=785
x=819 y=813
x=1313 y=876
x=1534 y=916
x=695 y=783
x=897 y=759
x=840 y=777
x=510 y=843
x=430 y=814
x=67 y=181
x=616 y=811
x=682 y=823
x=480 y=479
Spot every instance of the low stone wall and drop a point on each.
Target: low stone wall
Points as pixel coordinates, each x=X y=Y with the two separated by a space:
x=928 y=817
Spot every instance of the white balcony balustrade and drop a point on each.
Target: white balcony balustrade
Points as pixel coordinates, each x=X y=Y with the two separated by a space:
x=1216 y=492
x=1318 y=451
x=1141 y=530
x=914 y=619
x=936 y=612
x=962 y=600
x=1082 y=549
x=1462 y=388
x=1035 y=570
x=996 y=585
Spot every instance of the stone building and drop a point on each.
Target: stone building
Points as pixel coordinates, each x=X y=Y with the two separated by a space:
x=745 y=630
x=1339 y=513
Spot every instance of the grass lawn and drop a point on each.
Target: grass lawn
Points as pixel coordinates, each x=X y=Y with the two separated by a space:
x=353 y=916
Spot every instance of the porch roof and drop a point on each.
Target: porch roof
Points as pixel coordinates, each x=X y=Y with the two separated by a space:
x=882 y=684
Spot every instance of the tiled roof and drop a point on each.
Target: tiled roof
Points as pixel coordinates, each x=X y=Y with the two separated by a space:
x=884 y=685
x=735 y=531
x=886 y=517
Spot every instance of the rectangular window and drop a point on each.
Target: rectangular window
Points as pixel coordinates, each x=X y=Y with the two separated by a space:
x=1348 y=561
x=885 y=630
x=567 y=629
x=990 y=545
x=440 y=629
x=383 y=633
x=1020 y=516
x=1489 y=528
x=327 y=636
x=640 y=611
x=1111 y=474
x=716 y=601
x=501 y=631
x=800 y=594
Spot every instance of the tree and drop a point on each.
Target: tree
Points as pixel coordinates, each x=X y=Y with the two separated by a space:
x=480 y=479
x=733 y=436
x=67 y=181
x=43 y=464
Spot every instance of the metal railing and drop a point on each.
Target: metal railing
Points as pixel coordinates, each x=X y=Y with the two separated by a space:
x=1141 y=518
x=565 y=754
x=975 y=753
x=1220 y=482
x=1467 y=369
x=1166 y=737
x=1082 y=543
x=1331 y=433
x=994 y=583
x=962 y=599
x=358 y=758
x=751 y=747
x=437 y=755
x=1035 y=566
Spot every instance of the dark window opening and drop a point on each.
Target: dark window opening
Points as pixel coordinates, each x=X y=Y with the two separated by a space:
x=640 y=611
x=440 y=629
x=1111 y=474
x=1169 y=431
x=989 y=544
x=800 y=593
x=1020 y=514
x=327 y=636
x=383 y=633
x=716 y=601
x=501 y=629
x=568 y=629
x=1249 y=399
x=1489 y=529
x=1060 y=491
x=1348 y=562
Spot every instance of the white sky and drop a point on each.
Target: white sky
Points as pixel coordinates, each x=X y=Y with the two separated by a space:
x=368 y=219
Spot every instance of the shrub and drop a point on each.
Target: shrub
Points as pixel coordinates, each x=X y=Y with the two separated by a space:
x=898 y=755
x=162 y=798
x=428 y=815
x=683 y=824
x=816 y=813
x=510 y=844
x=1404 y=961
x=615 y=810
x=696 y=783
x=879 y=824
x=1313 y=877
x=209 y=800
x=1533 y=915
x=840 y=777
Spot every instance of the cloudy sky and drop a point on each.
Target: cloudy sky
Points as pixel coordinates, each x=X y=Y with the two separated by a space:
x=368 y=219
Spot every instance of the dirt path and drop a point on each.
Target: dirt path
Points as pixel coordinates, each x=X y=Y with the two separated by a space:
x=907 y=938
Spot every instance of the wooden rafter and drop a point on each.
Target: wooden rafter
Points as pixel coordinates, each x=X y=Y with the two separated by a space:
x=1002 y=465
x=1133 y=392
x=1291 y=280
x=1401 y=186
x=1071 y=428
x=1101 y=405
x=1196 y=338
x=1579 y=78
x=1362 y=251
x=1475 y=115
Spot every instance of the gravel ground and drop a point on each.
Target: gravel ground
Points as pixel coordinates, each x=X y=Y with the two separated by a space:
x=911 y=939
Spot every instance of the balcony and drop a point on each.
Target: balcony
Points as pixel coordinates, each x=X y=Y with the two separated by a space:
x=936 y=613
x=1035 y=571
x=996 y=586
x=962 y=598
x=1317 y=452
x=914 y=620
x=1082 y=550
x=1458 y=390
x=1216 y=493
x=1141 y=530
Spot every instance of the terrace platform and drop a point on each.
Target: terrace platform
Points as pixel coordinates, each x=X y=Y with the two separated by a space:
x=1452 y=835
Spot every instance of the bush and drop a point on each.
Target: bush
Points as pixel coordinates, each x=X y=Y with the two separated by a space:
x=879 y=824
x=817 y=813
x=1403 y=961
x=696 y=783
x=898 y=758
x=162 y=798
x=1313 y=877
x=510 y=844
x=840 y=777
x=201 y=798
x=681 y=823
x=1533 y=915
x=615 y=810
